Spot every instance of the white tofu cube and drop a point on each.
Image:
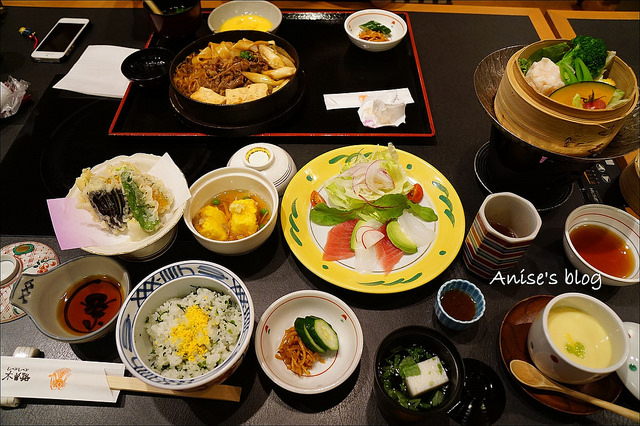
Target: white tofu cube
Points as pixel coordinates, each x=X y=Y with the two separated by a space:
x=432 y=375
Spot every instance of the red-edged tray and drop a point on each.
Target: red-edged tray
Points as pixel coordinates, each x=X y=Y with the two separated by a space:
x=331 y=63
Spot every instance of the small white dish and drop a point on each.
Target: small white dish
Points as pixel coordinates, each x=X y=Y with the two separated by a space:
x=338 y=365
x=271 y=160
x=629 y=373
x=396 y=24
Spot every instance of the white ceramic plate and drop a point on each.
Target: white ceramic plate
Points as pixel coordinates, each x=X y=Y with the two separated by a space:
x=338 y=365
x=629 y=373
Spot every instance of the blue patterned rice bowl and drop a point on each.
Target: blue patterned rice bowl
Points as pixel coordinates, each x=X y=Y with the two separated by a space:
x=177 y=281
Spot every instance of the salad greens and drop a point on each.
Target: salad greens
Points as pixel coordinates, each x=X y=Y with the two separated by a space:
x=370 y=186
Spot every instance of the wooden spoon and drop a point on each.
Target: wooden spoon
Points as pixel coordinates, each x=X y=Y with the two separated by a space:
x=529 y=375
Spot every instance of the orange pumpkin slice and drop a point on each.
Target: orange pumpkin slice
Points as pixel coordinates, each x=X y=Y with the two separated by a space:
x=586 y=90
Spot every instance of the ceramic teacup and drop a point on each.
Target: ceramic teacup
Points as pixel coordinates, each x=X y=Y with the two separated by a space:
x=577 y=339
x=503 y=228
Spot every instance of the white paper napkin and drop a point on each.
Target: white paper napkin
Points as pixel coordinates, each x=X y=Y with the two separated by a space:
x=375 y=108
x=76 y=227
x=97 y=72
x=59 y=379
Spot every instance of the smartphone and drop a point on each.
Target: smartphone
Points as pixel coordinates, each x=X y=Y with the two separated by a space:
x=59 y=42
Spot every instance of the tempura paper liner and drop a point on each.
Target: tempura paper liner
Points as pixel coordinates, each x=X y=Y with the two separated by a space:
x=61 y=379
x=76 y=227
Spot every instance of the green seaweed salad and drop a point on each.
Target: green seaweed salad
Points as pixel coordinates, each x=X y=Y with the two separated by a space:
x=402 y=362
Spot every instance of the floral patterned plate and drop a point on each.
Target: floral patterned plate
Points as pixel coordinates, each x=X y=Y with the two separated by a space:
x=307 y=239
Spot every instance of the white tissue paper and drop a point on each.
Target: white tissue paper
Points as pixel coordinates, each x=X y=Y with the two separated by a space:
x=97 y=72
x=375 y=108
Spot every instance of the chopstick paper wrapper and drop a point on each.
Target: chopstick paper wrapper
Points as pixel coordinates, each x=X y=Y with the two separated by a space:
x=41 y=378
x=375 y=108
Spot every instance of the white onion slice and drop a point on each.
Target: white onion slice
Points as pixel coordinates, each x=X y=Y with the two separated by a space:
x=417 y=230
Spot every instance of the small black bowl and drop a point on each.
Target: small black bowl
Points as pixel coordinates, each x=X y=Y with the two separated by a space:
x=437 y=344
x=148 y=67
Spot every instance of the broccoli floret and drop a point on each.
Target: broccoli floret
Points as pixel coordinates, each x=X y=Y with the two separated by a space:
x=590 y=50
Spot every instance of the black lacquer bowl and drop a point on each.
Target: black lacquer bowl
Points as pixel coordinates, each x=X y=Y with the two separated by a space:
x=238 y=119
x=437 y=344
x=148 y=67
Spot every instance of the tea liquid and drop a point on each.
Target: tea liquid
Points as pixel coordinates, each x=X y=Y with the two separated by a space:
x=603 y=249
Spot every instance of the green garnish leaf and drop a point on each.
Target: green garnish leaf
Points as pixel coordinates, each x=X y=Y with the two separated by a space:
x=375 y=26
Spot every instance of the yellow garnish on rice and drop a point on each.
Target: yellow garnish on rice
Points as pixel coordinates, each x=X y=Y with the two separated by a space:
x=191 y=334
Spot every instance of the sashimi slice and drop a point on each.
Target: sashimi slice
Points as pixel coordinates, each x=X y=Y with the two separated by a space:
x=388 y=254
x=338 y=244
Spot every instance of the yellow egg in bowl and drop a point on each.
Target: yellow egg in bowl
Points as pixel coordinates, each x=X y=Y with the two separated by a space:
x=245 y=15
x=232 y=210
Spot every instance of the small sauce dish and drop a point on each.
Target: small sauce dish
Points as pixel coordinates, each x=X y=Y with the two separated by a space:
x=148 y=67
x=459 y=304
x=78 y=301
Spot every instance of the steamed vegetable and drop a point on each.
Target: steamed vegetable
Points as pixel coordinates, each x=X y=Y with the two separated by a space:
x=588 y=53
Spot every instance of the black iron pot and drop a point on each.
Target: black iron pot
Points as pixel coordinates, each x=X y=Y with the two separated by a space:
x=239 y=119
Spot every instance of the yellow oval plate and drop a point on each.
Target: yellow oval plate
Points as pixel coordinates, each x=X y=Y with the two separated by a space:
x=307 y=239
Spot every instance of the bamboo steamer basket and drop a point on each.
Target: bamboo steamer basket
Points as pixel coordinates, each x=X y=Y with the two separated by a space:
x=555 y=127
x=630 y=184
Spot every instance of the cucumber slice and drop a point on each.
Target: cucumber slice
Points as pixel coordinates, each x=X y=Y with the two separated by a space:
x=322 y=333
x=306 y=338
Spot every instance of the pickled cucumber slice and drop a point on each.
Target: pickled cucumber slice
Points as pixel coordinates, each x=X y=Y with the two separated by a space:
x=306 y=338
x=322 y=333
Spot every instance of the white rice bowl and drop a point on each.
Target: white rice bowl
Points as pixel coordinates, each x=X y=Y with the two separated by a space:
x=161 y=291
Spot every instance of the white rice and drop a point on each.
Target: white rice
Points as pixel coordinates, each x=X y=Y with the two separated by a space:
x=192 y=335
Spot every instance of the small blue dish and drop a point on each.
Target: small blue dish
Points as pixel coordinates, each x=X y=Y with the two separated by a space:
x=148 y=67
x=451 y=319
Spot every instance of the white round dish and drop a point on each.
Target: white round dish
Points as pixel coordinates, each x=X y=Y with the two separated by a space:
x=157 y=242
x=338 y=365
x=271 y=160
x=629 y=373
x=389 y=19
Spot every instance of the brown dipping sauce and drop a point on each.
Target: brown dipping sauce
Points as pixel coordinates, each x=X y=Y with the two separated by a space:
x=458 y=305
x=90 y=303
x=603 y=249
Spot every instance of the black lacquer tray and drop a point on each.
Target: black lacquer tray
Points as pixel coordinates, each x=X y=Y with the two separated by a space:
x=331 y=63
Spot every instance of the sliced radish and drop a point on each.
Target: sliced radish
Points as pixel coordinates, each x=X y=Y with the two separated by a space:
x=368 y=234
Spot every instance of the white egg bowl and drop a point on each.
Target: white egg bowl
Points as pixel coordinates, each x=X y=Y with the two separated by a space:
x=389 y=19
x=619 y=222
x=225 y=179
x=177 y=280
x=230 y=9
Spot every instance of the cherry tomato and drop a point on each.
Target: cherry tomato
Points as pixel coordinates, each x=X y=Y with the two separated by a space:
x=596 y=104
x=316 y=198
x=415 y=194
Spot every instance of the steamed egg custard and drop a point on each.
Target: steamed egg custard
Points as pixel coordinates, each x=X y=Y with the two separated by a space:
x=232 y=215
x=247 y=22
x=580 y=337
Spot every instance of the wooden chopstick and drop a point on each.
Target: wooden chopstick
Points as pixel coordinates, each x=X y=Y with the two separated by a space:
x=221 y=392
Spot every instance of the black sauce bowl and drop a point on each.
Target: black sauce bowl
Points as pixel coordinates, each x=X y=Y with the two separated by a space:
x=437 y=344
x=148 y=67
